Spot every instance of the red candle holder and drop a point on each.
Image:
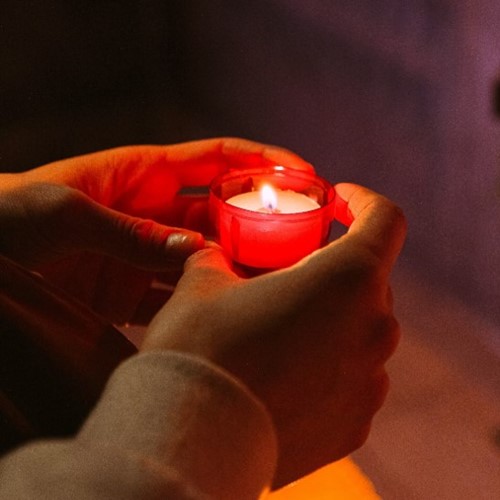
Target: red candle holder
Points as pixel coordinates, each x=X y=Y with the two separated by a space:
x=267 y=238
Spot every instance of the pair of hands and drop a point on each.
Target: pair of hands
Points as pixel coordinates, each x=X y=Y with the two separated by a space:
x=310 y=340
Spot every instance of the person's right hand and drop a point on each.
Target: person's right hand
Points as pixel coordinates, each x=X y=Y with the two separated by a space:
x=310 y=341
x=100 y=225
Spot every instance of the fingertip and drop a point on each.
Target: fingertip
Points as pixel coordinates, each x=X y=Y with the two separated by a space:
x=182 y=244
x=342 y=212
x=211 y=256
x=376 y=222
x=213 y=244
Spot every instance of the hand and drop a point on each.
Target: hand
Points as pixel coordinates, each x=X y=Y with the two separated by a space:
x=88 y=223
x=310 y=340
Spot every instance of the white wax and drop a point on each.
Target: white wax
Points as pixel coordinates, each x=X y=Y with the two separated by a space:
x=289 y=202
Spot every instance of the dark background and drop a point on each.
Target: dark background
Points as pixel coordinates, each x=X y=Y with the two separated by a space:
x=399 y=96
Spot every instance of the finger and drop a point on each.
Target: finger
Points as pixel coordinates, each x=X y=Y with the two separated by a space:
x=198 y=162
x=142 y=180
x=195 y=162
x=190 y=212
x=206 y=272
x=209 y=260
x=249 y=151
x=140 y=242
x=375 y=222
x=197 y=218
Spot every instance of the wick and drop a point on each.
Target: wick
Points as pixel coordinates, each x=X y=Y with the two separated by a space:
x=269 y=210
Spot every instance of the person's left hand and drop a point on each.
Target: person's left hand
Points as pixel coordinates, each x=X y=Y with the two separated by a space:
x=99 y=225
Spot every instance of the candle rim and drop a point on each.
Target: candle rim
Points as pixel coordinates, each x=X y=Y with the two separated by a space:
x=252 y=214
x=278 y=170
x=281 y=172
x=278 y=193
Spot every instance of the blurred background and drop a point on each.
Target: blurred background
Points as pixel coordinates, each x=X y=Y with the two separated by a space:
x=403 y=97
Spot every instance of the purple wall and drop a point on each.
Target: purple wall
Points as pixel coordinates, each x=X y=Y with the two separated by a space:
x=394 y=96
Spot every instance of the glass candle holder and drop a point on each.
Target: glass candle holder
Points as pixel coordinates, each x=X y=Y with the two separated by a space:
x=271 y=235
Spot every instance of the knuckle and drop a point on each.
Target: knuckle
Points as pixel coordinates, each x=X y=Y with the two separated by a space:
x=137 y=230
x=399 y=216
x=209 y=266
x=52 y=202
x=50 y=212
x=381 y=389
x=394 y=214
x=133 y=232
x=63 y=201
x=359 y=271
x=391 y=209
x=375 y=396
x=362 y=436
x=376 y=393
x=201 y=256
x=384 y=338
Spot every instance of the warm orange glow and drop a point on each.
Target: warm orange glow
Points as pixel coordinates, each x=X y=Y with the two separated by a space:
x=281 y=229
x=269 y=197
x=342 y=480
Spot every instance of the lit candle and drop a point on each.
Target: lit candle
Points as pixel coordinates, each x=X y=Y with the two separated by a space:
x=271 y=201
x=271 y=218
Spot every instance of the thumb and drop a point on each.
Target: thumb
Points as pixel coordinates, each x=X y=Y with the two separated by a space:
x=206 y=273
x=141 y=242
x=207 y=270
x=376 y=223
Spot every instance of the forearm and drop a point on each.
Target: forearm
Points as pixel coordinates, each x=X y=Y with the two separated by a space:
x=165 y=423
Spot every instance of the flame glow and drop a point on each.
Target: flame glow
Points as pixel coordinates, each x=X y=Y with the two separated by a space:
x=269 y=197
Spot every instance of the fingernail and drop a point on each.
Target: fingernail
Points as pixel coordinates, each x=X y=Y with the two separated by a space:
x=182 y=245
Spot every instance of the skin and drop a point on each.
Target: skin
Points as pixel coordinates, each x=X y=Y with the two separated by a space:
x=310 y=341
x=101 y=225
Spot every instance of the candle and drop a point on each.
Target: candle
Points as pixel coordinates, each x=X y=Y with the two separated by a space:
x=270 y=200
x=272 y=217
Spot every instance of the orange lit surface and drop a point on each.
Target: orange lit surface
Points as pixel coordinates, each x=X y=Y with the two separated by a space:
x=342 y=480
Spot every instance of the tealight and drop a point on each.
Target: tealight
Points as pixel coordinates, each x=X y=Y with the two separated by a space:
x=270 y=218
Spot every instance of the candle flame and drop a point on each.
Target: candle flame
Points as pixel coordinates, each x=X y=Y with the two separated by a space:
x=269 y=197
